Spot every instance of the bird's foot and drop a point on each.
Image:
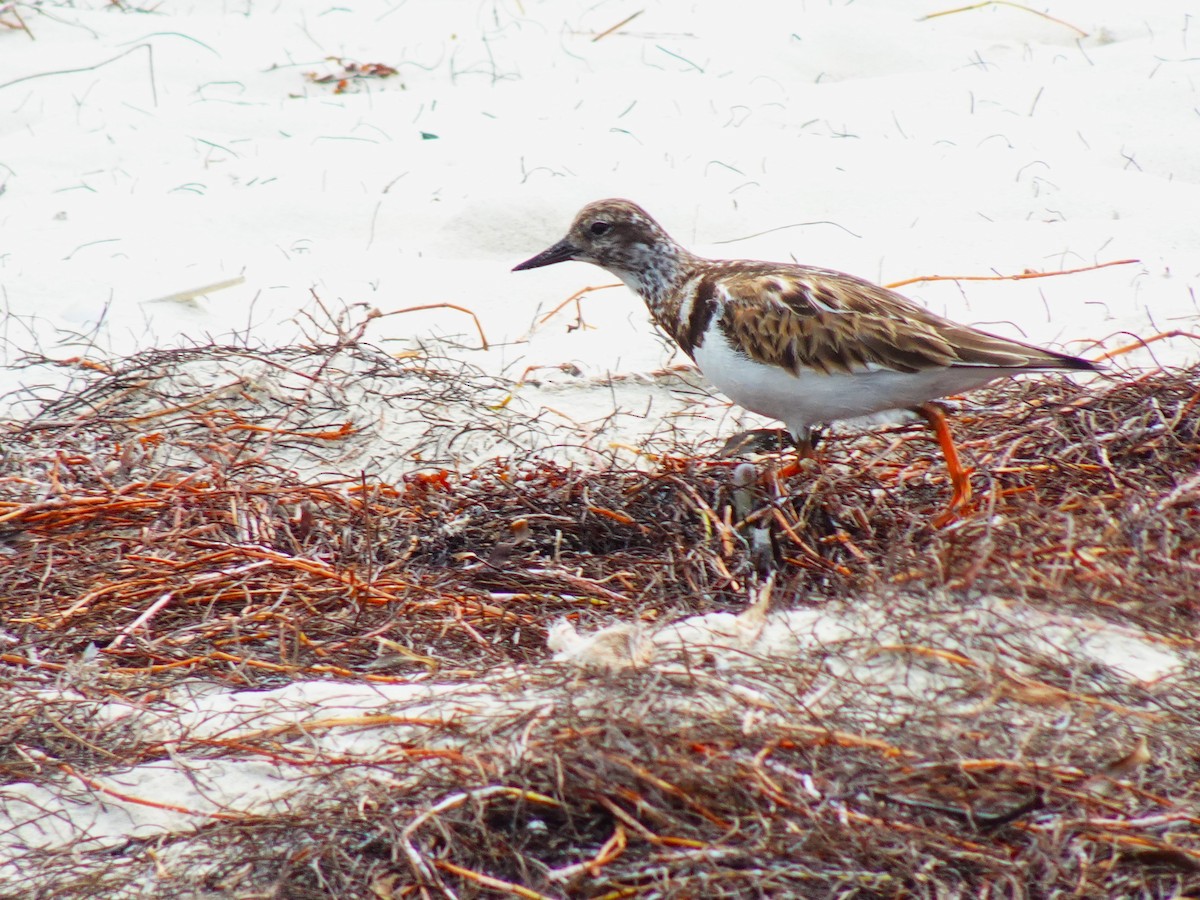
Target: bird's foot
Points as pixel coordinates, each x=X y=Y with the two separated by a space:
x=756 y=440
x=960 y=476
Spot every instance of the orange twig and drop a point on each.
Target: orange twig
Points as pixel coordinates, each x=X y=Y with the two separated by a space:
x=820 y=561
x=199 y=401
x=1142 y=342
x=454 y=306
x=155 y=804
x=1046 y=16
x=488 y=881
x=14 y=659
x=833 y=737
x=612 y=848
x=12 y=8
x=344 y=430
x=945 y=655
x=612 y=514
x=1022 y=277
x=576 y=298
x=625 y=21
x=222 y=656
x=905 y=827
x=668 y=788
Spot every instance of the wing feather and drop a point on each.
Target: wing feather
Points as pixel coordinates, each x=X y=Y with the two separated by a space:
x=799 y=318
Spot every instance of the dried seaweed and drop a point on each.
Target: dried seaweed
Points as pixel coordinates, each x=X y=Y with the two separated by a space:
x=165 y=523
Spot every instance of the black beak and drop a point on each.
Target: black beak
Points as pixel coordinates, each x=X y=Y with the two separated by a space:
x=561 y=252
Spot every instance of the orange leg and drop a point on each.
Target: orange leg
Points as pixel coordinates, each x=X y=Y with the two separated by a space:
x=805 y=449
x=960 y=478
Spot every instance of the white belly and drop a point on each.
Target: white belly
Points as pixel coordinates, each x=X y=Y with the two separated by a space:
x=812 y=398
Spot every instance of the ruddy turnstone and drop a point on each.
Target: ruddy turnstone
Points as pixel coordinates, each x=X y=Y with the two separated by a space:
x=804 y=345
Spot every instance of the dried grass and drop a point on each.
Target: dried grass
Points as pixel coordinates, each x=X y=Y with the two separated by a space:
x=156 y=535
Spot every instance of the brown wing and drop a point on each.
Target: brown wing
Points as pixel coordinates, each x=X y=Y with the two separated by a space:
x=799 y=317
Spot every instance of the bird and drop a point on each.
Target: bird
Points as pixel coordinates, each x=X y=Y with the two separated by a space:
x=803 y=345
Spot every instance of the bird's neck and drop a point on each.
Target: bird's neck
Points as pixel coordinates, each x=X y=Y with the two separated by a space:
x=658 y=275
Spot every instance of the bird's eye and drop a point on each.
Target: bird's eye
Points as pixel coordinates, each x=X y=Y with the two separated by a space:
x=598 y=228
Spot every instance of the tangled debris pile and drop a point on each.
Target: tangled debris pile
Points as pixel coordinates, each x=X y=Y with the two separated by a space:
x=227 y=675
